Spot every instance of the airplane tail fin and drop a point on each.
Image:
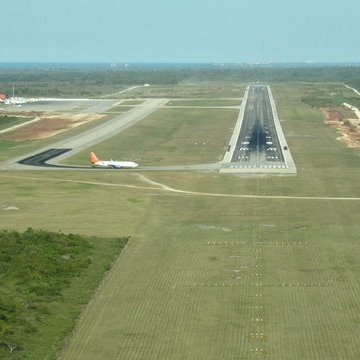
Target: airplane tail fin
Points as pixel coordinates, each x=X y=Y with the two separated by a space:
x=93 y=158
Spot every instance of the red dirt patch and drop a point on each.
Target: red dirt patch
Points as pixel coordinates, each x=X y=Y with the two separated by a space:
x=49 y=125
x=346 y=123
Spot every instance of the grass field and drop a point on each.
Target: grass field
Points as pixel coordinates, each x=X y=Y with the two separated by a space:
x=204 y=90
x=119 y=109
x=9 y=121
x=321 y=95
x=221 y=102
x=171 y=136
x=211 y=274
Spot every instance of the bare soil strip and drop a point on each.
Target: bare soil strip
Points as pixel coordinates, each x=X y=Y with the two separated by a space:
x=48 y=125
x=346 y=122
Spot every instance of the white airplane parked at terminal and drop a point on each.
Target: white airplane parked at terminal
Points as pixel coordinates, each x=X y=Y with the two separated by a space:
x=111 y=164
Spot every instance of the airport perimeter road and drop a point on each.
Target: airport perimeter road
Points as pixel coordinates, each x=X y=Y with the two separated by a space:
x=93 y=136
x=260 y=145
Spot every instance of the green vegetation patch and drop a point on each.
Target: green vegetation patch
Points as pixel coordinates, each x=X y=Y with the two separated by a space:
x=220 y=102
x=10 y=121
x=132 y=102
x=46 y=279
x=193 y=90
x=6 y=144
x=89 y=81
x=328 y=95
x=171 y=136
x=120 y=109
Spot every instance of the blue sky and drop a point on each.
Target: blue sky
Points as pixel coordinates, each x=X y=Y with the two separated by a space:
x=180 y=31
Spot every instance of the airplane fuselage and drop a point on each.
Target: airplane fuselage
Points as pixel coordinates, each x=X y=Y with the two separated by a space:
x=116 y=164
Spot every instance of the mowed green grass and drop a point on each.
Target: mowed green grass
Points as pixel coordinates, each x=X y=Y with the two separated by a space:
x=221 y=102
x=119 y=109
x=209 y=276
x=170 y=136
x=206 y=90
x=10 y=121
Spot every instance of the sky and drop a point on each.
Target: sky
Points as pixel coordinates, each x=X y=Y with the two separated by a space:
x=190 y=31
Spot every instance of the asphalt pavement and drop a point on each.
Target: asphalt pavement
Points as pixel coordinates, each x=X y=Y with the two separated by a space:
x=257 y=146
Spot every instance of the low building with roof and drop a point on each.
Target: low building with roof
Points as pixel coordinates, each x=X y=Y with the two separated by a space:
x=3 y=97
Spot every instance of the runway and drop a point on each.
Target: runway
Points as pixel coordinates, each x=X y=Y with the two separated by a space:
x=258 y=144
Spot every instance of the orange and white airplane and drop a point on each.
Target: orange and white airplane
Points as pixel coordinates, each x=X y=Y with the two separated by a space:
x=111 y=164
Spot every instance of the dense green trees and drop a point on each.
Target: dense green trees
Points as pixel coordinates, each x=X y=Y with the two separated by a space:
x=94 y=81
x=36 y=267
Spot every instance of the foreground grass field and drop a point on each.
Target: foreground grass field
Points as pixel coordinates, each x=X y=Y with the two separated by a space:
x=209 y=274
